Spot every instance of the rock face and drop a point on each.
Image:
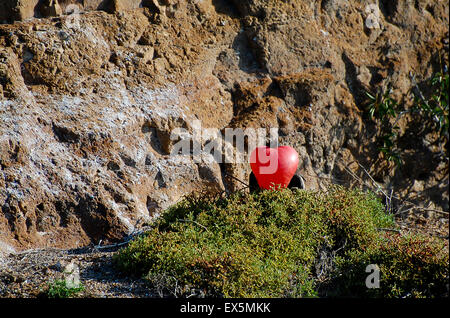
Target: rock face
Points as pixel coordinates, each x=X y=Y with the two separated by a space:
x=17 y=10
x=90 y=97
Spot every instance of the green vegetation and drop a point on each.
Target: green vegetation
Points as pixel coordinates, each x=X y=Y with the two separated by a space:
x=287 y=243
x=382 y=107
x=411 y=266
x=432 y=108
x=435 y=109
x=59 y=289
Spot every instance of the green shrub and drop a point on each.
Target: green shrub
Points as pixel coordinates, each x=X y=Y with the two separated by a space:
x=432 y=110
x=382 y=108
x=59 y=289
x=410 y=266
x=436 y=108
x=264 y=244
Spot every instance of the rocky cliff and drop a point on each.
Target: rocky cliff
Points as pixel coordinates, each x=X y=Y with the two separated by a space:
x=90 y=92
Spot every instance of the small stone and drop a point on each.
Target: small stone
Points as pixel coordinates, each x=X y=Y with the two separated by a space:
x=418 y=186
x=364 y=76
x=146 y=53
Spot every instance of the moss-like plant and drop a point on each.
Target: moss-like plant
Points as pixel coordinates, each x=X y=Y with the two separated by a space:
x=410 y=266
x=271 y=244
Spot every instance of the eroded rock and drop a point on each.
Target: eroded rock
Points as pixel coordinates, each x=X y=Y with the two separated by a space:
x=89 y=101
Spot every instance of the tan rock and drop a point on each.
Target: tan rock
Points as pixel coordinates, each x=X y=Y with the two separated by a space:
x=17 y=10
x=125 y=5
x=89 y=5
x=88 y=108
x=146 y=53
x=51 y=8
x=364 y=76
